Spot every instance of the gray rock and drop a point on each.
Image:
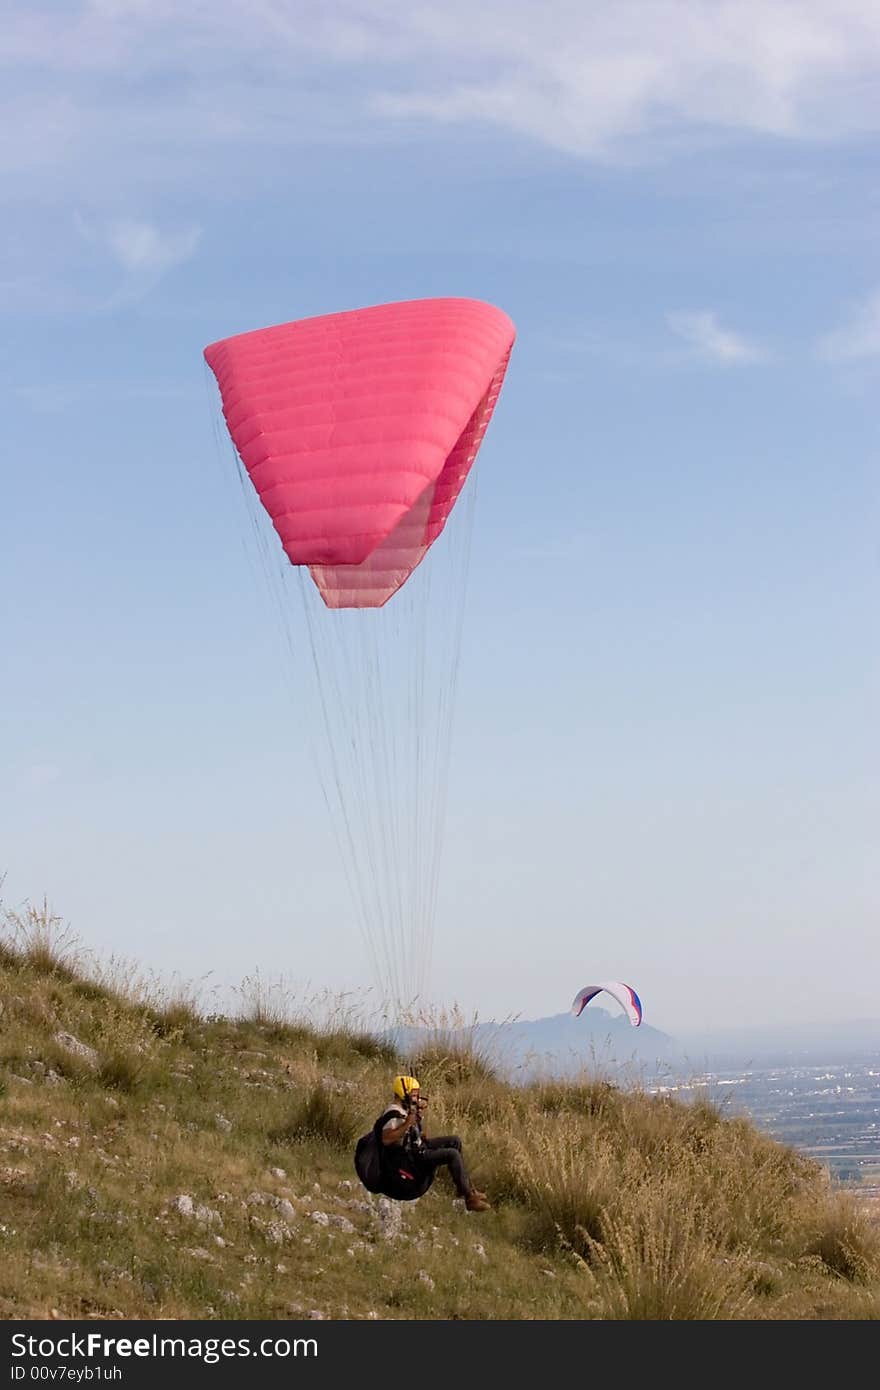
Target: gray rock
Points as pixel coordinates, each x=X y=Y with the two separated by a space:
x=79 y=1049
x=185 y=1206
x=269 y=1199
x=277 y=1232
x=390 y=1219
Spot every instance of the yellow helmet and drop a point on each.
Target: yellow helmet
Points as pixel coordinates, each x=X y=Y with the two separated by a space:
x=404 y=1086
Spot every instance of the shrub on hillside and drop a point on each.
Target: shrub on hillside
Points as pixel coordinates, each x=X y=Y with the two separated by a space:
x=321 y=1115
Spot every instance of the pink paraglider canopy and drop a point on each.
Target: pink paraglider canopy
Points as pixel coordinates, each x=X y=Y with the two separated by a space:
x=358 y=431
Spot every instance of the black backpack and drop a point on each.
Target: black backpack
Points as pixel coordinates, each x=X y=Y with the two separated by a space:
x=377 y=1175
x=368 y=1162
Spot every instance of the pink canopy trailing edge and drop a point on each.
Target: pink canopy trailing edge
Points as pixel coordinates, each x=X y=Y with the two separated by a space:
x=359 y=429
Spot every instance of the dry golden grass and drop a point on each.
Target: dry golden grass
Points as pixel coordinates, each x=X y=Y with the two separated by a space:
x=159 y=1161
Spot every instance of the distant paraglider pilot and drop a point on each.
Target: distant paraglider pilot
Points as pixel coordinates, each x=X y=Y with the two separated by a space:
x=399 y=1160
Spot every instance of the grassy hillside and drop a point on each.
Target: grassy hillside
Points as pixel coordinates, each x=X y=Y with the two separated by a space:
x=158 y=1163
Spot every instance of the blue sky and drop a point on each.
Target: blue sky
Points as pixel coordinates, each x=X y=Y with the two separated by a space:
x=665 y=767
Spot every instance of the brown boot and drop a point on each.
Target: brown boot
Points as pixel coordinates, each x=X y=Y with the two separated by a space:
x=476 y=1201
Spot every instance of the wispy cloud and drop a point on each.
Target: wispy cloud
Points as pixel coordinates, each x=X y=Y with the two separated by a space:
x=706 y=336
x=118 y=105
x=593 y=78
x=150 y=82
x=857 y=340
x=110 y=263
x=141 y=248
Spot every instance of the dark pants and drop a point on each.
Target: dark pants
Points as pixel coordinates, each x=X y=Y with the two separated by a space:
x=446 y=1152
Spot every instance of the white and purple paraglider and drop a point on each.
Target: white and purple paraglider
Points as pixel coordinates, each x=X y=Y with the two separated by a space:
x=624 y=994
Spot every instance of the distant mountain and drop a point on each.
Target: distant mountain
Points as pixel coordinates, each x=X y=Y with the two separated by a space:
x=563 y=1045
x=606 y=1044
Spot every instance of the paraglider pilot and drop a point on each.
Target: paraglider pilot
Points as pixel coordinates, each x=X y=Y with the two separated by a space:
x=409 y=1160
